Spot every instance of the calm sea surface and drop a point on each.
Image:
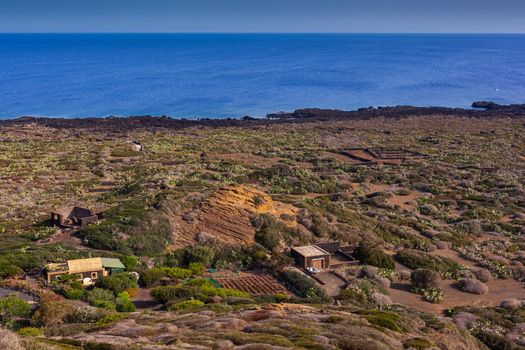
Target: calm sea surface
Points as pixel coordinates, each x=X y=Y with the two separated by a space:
x=232 y=75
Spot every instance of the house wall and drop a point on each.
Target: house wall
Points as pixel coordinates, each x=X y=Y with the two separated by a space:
x=88 y=220
x=57 y=219
x=52 y=276
x=299 y=259
x=326 y=259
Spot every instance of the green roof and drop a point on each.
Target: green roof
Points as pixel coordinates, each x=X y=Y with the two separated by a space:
x=112 y=263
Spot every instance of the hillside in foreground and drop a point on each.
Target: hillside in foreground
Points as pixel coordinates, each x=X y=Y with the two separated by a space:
x=426 y=208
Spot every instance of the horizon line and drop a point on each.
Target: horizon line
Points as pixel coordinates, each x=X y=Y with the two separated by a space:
x=261 y=32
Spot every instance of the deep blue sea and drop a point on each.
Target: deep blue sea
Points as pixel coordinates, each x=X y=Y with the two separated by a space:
x=232 y=75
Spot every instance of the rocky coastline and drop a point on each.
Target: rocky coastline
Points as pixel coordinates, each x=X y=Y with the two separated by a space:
x=481 y=109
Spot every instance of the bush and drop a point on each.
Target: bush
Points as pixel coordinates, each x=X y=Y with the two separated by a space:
x=153 y=276
x=149 y=230
x=11 y=307
x=31 y=332
x=418 y=344
x=304 y=286
x=117 y=283
x=471 y=285
x=433 y=295
x=74 y=294
x=416 y=259
x=110 y=319
x=495 y=341
x=185 y=292
x=425 y=278
x=187 y=305
x=202 y=254
x=371 y=255
x=383 y=319
x=270 y=232
x=51 y=313
x=85 y=314
x=196 y=268
x=8 y=271
x=101 y=298
x=130 y=262
x=124 y=303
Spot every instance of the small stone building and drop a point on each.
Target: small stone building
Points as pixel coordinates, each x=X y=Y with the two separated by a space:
x=73 y=216
x=87 y=271
x=324 y=255
x=311 y=256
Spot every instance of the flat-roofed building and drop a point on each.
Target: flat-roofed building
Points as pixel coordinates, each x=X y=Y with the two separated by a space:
x=311 y=256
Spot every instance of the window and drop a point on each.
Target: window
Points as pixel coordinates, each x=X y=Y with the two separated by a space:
x=94 y=275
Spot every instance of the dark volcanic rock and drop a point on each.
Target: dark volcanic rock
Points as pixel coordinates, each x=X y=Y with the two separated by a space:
x=124 y=124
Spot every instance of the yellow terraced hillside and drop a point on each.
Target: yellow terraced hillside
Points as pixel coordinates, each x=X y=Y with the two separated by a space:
x=226 y=216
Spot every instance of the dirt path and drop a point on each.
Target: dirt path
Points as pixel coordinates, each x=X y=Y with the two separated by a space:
x=332 y=283
x=143 y=299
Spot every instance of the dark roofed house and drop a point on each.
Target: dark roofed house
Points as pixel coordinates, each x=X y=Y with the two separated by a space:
x=74 y=216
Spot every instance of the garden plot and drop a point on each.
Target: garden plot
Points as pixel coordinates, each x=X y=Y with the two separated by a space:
x=253 y=284
x=370 y=156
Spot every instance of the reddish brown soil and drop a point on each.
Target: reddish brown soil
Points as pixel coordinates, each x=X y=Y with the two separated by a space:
x=402 y=201
x=254 y=284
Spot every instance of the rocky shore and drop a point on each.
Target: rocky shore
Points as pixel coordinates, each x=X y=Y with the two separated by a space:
x=482 y=109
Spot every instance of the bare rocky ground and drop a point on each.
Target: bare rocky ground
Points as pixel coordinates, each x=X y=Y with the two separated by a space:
x=459 y=210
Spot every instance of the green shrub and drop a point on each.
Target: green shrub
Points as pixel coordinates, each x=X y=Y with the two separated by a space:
x=117 y=283
x=418 y=344
x=270 y=232
x=368 y=254
x=187 y=305
x=149 y=231
x=281 y=297
x=51 y=313
x=416 y=259
x=152 y=277
x=196 y=268
x=425 y=278
x=74 y=294
x=124 y=303
x=110 y=319
x=383 y=319
x=495 y=341
x=202 y=254
x=185 y=292
x=11 y=307
x=434 y=295
x=31 y=332
x=8 y=271
x=304 y=286
x=130 y=262
x=101 y=298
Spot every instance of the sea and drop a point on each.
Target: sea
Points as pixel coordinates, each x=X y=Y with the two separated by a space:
x=234 y=75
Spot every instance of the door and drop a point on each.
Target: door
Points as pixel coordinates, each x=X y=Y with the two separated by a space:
x=318 y=263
